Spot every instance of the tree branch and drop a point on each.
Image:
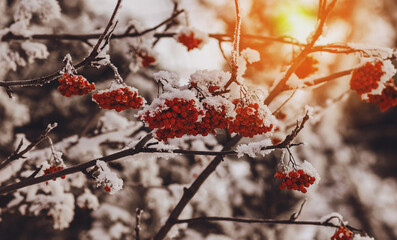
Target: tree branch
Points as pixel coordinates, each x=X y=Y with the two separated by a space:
x=323 y=13
x=268 y=221
x=236 y=46
x=86 y=62
x=138 y=223
x=189 y=193
x=139 y=148
x=19 y=154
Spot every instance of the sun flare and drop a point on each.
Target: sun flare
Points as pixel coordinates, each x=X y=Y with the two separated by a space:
x=295 y=19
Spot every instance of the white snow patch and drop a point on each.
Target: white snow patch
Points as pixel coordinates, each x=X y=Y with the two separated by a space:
x=252 y=149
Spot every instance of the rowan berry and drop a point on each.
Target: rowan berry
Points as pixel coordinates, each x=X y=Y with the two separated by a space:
x=249 y=120
x=107 y=188
x=212 y=89
x=119 y=99
x=342 y=233
x=52 y=169
x=189 y=40
x=173 y=118
x=215 y=117
x=295 y=180
x=367 y=77
x=387 y=99
x=74 y=85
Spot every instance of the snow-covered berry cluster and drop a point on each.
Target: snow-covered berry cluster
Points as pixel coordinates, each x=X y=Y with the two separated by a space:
x=298 y=179
x=191 y=38
x=74 y=85
x=373 y=82
x=250 y=120
x=342 y=233
x=387 y=99
x=119 y=98
x=367 y=77
x=174 y=118
x=215 y=117
x=295 y=180
x=53 y=168
x=145 y=58
x=307 y=67
x=195 y=110
x=107 y=179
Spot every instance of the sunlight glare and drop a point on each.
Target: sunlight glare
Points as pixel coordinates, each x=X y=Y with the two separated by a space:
x=295 y=19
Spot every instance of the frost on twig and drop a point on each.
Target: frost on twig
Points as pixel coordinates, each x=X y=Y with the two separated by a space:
x=68 y=65
x=107 y=179
x=333 y=218
x=254 y=148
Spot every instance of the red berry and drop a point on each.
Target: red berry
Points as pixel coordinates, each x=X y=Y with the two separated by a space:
x=107 y=188
x=387 y=99
x=177 y=118
x=189 y=40
x=74 y=85
x=342 y=234
x=249 y=121
x=119 y=99
x=53 y=169
x=295 y=180
x=366 y=78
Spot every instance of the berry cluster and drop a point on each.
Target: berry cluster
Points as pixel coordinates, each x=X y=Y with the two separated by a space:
x=74 y=85
x=146 y=59
x=306 y=68
x=248 y=121
x=53 y=169
x=387 y=99
x=107 y=188
x=212 y=89
x=178 y=118
x=366 y=78
x=189 y=40
x=119 y=99
x=342 y=234
x=214 y=118
x=295 y=180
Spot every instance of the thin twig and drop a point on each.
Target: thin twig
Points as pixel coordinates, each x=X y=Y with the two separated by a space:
x=106 y=35
x=295 y=215
x=269 y=221
x=138 y=223
x=323 y=14
x=236 y=46
x=19 y=154
x=139 y=148
x=285 y=102
x=77 y=168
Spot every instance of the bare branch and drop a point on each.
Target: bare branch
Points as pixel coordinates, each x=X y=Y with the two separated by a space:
x=318 y=81
x=188 y=193
x=138 y=223
x=268 y=221
x=295 y=215
x=236 y=46
x=19 y=154
x=323 y=14
x=86 y=62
